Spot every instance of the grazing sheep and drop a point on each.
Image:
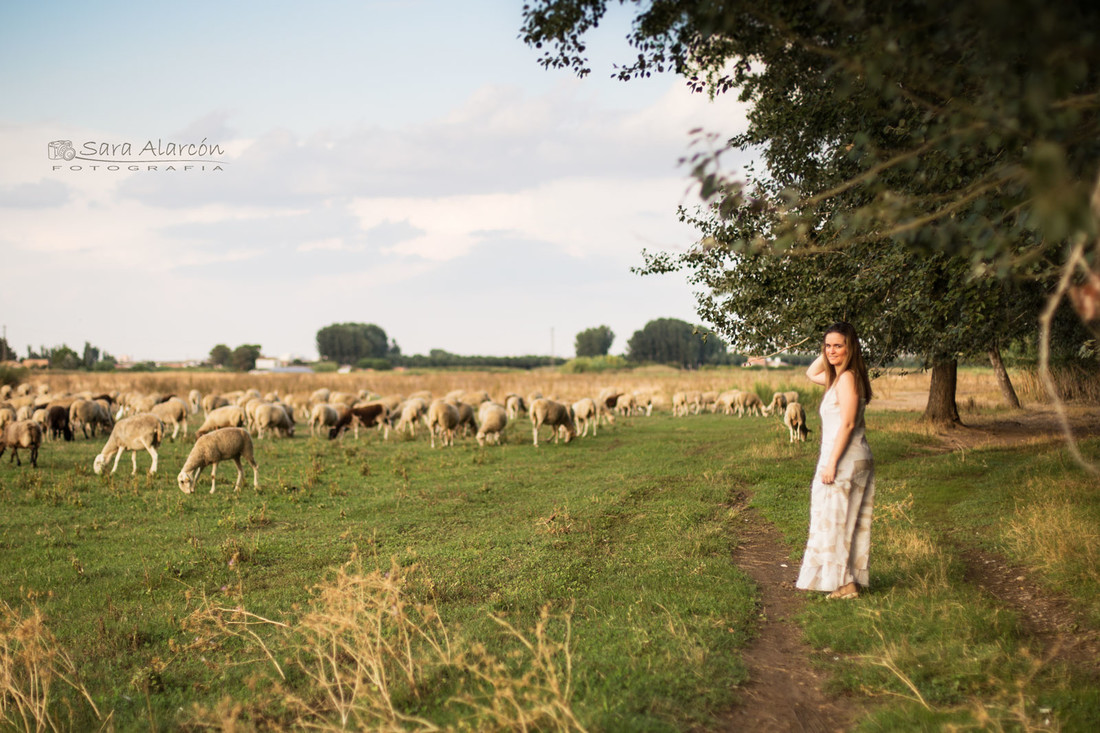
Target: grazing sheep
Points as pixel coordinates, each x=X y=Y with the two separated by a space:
x=442 y=420
x=367 y=415
x=627 y=404
x=584 y=414
x=273 y=417
x=515 y=406
x=467 y=421
x=194 y=401
x=41 y=416
x=553 y=414
x=8 y=415
x=727 y=401
x=228 y=416
x=173 y=411
x=750 y=402
x=57 y=421
x=21 y=434
x=791 y=397
x=795 y=420
x=320 y=395
x=221 y=445
x=493 y=418
x=323 y=416
x=143 y=431
x=644 y=401
x=411 y=412
x=88 y=414
x=212 y=402
x=679 y=404
x=710 y=400
x=778 y=403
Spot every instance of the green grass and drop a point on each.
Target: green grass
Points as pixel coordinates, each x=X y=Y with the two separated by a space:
x=629 y=536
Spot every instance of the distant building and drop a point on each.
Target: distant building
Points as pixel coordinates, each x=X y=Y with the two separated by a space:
x=760 y=361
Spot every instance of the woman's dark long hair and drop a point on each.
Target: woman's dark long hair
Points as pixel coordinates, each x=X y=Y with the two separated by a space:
x=855 y=359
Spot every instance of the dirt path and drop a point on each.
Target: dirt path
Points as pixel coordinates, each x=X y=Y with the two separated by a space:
x=784 y=693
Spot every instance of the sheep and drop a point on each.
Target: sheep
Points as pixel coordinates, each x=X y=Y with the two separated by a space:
x=211 y=449
x=228 y=416
x=627 y=404
x=57 y=421
x=21 y=434
x=86 y=413
x=212 y=402
x=679 y=404
x=791 y=396
x=778 y=403
x=727 y=401
x=346 y=398
x=606 y=402
x=322 y=416
x=515 y=406
x=274 y=417
x=41 y=417
x=493 y=418
x=442 y=420
x=584 y=414
x=194 y=401
x=467 y=422
x=553 y=414
x=412 y=410
x=694 y=401
x=710 y=400
x=795 y=420
x=644 y=401
x=8 y=415
x=173 y=412
x=143 y=431
x=320 y=395
x=750 y=402
x=368 y=415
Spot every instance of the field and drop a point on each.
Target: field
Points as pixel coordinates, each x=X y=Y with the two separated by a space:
x=383 y=585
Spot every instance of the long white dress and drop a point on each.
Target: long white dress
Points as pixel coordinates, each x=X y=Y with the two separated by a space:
x=839 y=545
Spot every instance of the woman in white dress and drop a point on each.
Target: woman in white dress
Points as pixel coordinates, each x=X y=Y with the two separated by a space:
x=839 y=543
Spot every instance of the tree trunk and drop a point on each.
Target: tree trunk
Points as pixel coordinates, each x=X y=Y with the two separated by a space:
x=1001 y=373
x=941 y=407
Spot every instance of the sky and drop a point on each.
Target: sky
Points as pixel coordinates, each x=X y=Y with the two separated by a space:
x=251 y=172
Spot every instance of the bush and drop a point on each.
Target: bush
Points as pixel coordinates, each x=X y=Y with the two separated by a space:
x=380 y=365
x=325 y=366
x=583 y=364
x=12 y=375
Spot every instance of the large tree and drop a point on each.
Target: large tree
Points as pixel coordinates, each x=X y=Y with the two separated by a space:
x=594 y=341
x=347 y=343
x=888 y=131
x=676 y=342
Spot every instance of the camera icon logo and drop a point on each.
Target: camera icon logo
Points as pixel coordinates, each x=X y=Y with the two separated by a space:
x=62 y=150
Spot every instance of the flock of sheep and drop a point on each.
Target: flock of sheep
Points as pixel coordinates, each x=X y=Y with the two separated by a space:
x=139 y=422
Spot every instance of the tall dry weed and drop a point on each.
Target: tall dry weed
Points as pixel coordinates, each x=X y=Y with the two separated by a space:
x=366 y=655
x=32 y=665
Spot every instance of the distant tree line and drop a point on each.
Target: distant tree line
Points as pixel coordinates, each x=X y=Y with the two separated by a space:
x=92 y=358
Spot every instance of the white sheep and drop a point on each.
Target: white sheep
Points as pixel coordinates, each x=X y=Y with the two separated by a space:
x=221 y=445
x=413 y=409
x=795 y=420
x=273 y=416
x=227 y=416
x=584 y=414
x=493 y=418
x=749 y=402
x=442 y=420
x=727 y=401
x=194 y=401
x=778 y=403
x=679 y=404
x=143 y=431
x=323 y=416
x=88 y=414
x=21 y=434
x=174 y=412
x=515 y=406
x=553 y=414
x=212 y=402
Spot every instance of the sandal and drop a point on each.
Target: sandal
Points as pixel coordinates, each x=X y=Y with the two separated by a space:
x=845 y=592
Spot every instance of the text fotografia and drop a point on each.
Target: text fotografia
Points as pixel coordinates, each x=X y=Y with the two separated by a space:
x=152 y=155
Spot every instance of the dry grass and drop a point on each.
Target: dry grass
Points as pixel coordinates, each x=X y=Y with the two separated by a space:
x=31 y=667
x=1050 y=530
x=368 y=655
